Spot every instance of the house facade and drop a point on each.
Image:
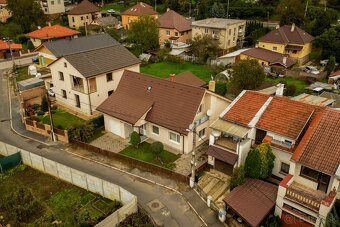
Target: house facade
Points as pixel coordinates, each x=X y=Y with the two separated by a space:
x=173 y=28
x=228 y=32
x=52 y=6
x=134 y=12
x=288 y=39
x=83 y=80
x=161 y=110
x=83 y=14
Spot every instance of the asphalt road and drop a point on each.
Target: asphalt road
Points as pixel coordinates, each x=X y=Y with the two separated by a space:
x=174 y=210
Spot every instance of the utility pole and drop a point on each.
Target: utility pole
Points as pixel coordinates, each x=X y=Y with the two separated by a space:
x=53 y=137
x=193 y=156
x=85 y=28
x=228 y=10
x=156 y=5
x=9 y=42
x=190 y=9
x=306 y=8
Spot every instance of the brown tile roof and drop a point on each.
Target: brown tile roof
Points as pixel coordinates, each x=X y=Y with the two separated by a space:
x=222 y=155
x=319 y=148
x=253 y=200
x=269 y=56
x=173 y=20
x=3 y=1
x=245 y=108
x=54 y=31
x=286 y=117
x=83 y=8
x=98 y=61
x=140 y=8
x=174 y=105
x=284 y=35
x=189 y=78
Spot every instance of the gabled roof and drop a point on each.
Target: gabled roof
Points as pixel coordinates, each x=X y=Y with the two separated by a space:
x=189 y=78
x=253 y=200
x=286 y=117
x=62 y=47
x=285 y=35
x=52 y=31
x=3 y=2
x=140 y=8
x=270 y=56
x=319 y=148
x=98 y=61
x=83 y=8
x=5 y=46
x=173 y=105
x=173 y=20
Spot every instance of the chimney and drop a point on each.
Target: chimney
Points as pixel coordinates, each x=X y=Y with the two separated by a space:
x=284 y=60
x=172 y=77
x=293 y=27
x=212 y=85
x=168 y=9
x=49 y=24
x=279 y=89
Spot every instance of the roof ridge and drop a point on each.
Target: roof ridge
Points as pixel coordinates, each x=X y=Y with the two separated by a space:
x=95 y=49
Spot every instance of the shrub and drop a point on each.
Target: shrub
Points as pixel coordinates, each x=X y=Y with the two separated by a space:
x=98 y=122
x=253 y=164
x=135 y=139
x=237 y=177
x=35 y=107
x=30 y=45
x=82 y=132
x=44 y=104
x=40 y=113
x=290 y=90
x=221 y=88
x=157 y=148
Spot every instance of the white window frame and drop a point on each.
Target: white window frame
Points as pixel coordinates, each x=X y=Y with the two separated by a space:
x=206 y=30
x=201 y=137
x=153 y=132
x=281 y=168
x=167 y=32
x=178 y=137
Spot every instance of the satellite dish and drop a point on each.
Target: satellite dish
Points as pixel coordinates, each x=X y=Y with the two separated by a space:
x=216 y=133
x=209 y=112
x=191 y=126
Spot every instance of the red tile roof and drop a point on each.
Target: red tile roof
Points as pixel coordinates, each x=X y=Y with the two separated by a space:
x=286 y=117
x=140 y=8
x=173 y=20
x=189 y=78
x=223 y=155
x=253 y=200
x=174 y=105
x=55 y=31
x=245 y=108
x=5 y=46
x=284 y=35
x=3 y=1
x=319 y=148
x=84 y=7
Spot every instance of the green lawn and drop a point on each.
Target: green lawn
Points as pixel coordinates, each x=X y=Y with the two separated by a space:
x=115 y=6
x=144 y=153
x=164 y=69
x=61 y=119
x=299 y=84
x=23 y=74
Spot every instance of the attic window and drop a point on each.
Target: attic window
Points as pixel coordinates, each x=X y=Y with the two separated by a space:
x=149 y=88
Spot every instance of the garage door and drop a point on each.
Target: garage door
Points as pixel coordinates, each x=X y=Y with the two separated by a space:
x=223 y=167
x=292 y=221
x=115 y=127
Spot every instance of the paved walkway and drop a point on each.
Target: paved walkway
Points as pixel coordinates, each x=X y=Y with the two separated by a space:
x=110 y=142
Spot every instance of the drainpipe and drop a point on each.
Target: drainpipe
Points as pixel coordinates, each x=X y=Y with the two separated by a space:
x=88 y=95
x=183 y=143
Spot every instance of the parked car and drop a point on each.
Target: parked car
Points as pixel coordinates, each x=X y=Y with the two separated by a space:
x=324 y=63
x=311 y=69
x=50 y=92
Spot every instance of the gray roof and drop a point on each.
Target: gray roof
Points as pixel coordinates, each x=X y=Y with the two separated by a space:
x=220 y=23
x=63 y=47
x=94 y=62
x=30 y=83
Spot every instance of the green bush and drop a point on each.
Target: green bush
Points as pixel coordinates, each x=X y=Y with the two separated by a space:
x=44 y=104
x=40 y=113
x=290 y=90
x=82 y=132
x=30 y=45
x=237 y=177
x=221 y=88
x=157 y=148
x=252 y=165
x=98 y=122
x=135 y=139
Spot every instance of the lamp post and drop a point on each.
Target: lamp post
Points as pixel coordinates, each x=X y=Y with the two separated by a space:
x=192 y=128
x=9 y=42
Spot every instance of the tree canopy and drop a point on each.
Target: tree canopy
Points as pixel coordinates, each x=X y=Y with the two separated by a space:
x=217 y=10
x=204 y=47
x=329 y=43
x=291 y=11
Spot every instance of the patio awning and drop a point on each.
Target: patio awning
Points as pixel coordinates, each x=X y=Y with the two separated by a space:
x=223 y=155
x=230 y=128
x=291 y=47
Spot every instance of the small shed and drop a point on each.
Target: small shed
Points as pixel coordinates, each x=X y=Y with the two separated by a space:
x=30 y=83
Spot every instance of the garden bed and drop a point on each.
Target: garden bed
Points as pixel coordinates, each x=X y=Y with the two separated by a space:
x=29 y=197
x=143 y=152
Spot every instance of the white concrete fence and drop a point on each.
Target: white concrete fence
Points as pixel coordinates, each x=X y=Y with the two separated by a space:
x=82 y=180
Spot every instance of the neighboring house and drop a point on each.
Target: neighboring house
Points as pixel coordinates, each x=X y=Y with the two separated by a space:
x=133 y=13
x=51 y=7
x=277 y=62
x=83 y=14
x=3 y=3
x=5 y=52
x=334 y=78
x=230 y=58
x=84 y=79
x=250 y=118
x=288 y=39
x=228 y=32
x=106 y=22
x=162 y=109
x=51 y=32
x=4 y=14
x=333 y=96
x=173 y=28
x=308 y=193
x=314 y=100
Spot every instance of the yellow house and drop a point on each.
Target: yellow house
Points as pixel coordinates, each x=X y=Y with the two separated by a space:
x=83 y=14
x=133 y=13
x=288 y=39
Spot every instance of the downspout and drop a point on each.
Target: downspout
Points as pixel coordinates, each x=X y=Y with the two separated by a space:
x=183 y=143
x=88 y=94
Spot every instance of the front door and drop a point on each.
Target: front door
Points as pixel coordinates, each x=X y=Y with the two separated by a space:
x=142 y=130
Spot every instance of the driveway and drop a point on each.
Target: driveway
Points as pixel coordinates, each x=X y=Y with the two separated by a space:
x=111 y=142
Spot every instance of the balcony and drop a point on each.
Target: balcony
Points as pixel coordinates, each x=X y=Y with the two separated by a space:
x=79 y=88
x=228 y=143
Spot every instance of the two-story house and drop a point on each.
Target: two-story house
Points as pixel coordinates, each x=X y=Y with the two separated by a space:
x=134 y=12
x=288 y=39
x=83 y=80
x=52 y=7
x=308 y=193
x=228 y=32
x=174 y=113
x=173 y=28
x=83 y=14
x=51 y=32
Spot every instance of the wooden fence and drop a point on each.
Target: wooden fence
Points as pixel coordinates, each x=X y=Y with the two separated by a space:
x=134 y=162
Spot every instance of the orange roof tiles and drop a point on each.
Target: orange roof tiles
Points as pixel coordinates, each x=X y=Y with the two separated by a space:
x=55 y=31
x=285 y=117
x=244 y=110
x=3 y=2
x=140 y=9
x=5 y=46
x=319 y=148
x=173 y=20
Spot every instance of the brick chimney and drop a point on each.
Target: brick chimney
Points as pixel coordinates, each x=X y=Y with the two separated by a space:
x=292 y=28
x=280 y=89
x=168 y=9
x=172 y=77
x=212 y=85
x=284 y=60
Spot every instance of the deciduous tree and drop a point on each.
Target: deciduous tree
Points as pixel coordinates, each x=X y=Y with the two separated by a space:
x=291 y=11
x=237 y=177
x=329 y=43
x=204 y=47
x=217 y=10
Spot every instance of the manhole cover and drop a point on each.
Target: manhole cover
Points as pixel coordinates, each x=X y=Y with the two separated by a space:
x=155 y=205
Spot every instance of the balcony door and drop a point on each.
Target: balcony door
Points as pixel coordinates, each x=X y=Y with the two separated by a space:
x=323 y=182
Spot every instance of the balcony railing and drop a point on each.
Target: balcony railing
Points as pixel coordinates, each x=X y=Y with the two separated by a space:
x=79 y=88
x=202 y=120
x=226 y=143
